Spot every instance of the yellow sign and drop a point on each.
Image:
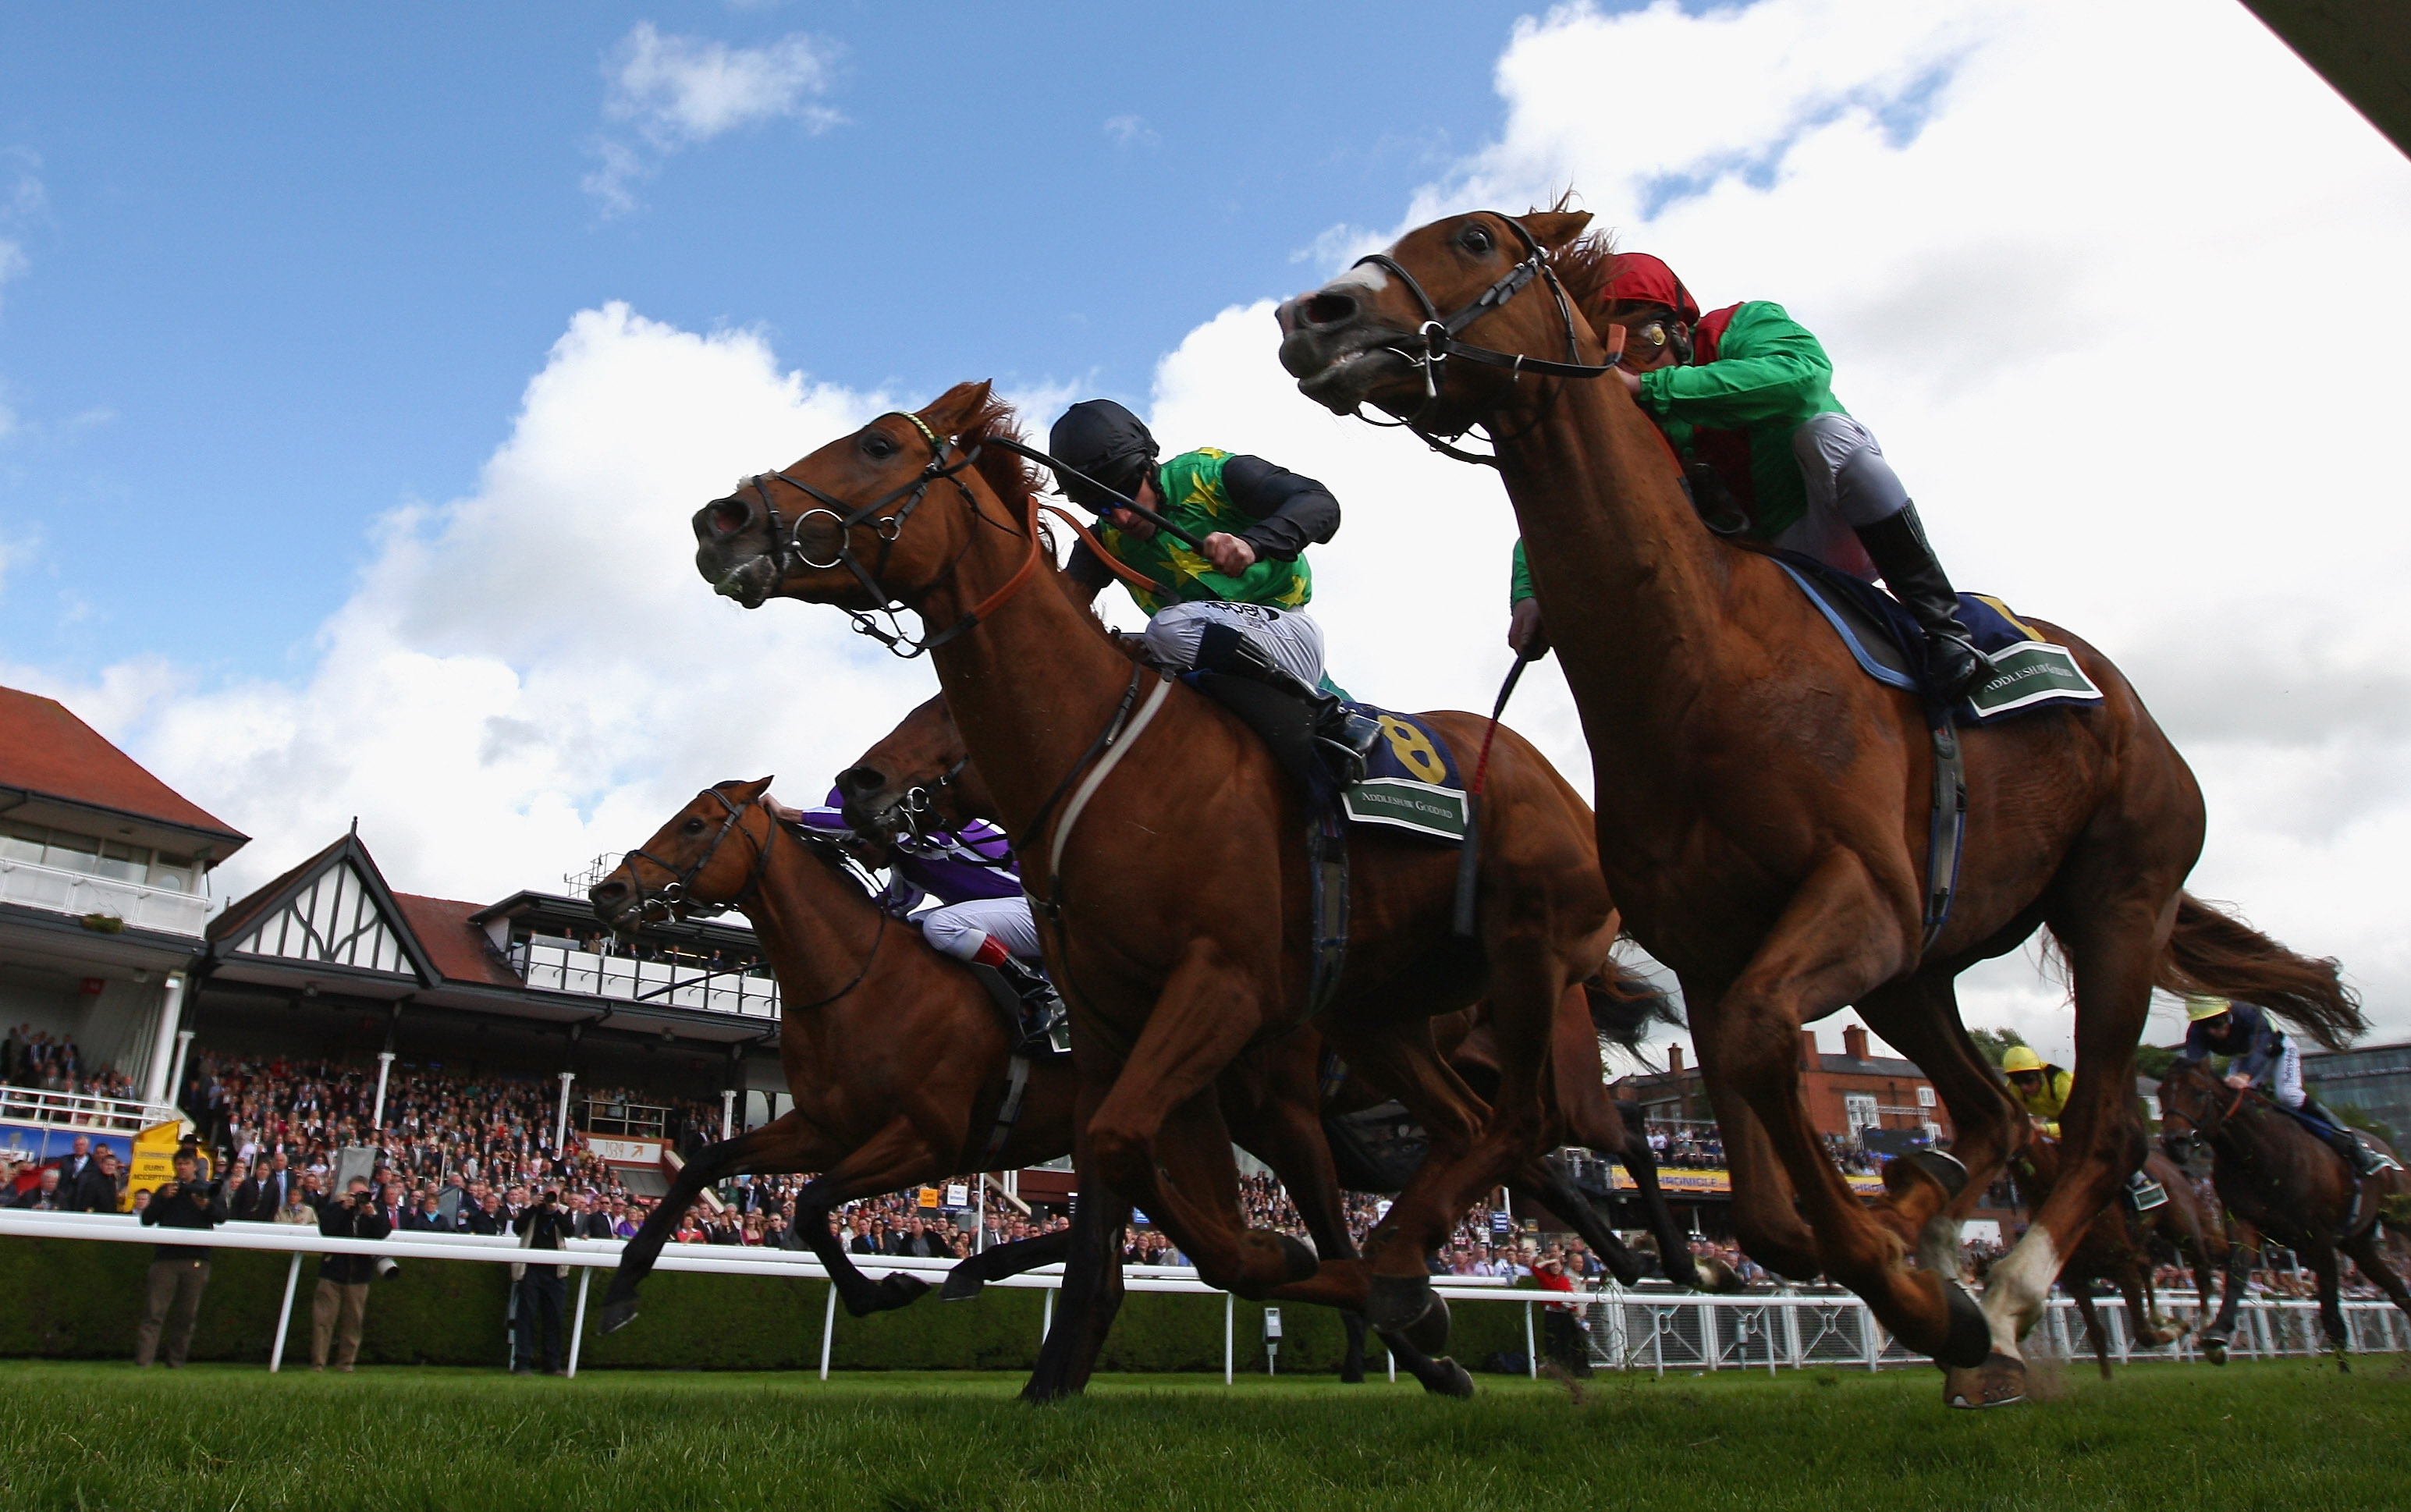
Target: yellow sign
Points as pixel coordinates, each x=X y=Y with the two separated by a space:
x=928 y=1197
x=153 y=1164
x=1676 y=1182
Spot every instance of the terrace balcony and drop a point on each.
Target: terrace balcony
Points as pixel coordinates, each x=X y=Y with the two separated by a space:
x=560 y=966
x=81 y=895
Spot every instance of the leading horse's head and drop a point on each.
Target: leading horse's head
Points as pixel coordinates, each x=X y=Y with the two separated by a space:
x=873 y=520
x=1486 y=277
x=708 y=857
x=917 y=779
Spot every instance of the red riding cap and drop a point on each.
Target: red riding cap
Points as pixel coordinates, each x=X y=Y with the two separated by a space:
x=1645 y=280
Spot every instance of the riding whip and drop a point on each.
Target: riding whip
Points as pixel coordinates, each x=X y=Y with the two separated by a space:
x=1467 y=856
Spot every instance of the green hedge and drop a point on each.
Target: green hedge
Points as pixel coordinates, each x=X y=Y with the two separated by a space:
x=72 y=1299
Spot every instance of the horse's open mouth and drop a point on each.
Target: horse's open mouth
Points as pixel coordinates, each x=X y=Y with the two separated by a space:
x=1338 y=380
x=749 y=582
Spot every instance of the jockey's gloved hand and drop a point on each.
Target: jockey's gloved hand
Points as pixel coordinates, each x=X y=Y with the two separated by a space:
x=1527 y=635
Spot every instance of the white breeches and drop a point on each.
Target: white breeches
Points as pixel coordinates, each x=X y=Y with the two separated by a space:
x=958 y=929
x=1287 y=637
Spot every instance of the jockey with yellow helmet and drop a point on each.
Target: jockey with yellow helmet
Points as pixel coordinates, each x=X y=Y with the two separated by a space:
x=2262 y=1058
x=2042 y=1088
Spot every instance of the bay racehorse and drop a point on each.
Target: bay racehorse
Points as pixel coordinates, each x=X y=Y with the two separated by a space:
x=919 y=780
x=2279 y=1179
x=901 y=1068
x=1765 y=809
x=2123 y=1247
x=1167 y=850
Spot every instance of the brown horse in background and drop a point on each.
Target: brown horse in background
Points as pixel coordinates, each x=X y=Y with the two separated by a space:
x=919 y=779
x=1764 y=808
x=2122 y=1248
x=901 y=1066
x=1175 y=883
x=2279 y=1179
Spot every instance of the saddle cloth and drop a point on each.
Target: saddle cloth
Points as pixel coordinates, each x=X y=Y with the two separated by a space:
x=1410 y=781
x=2031 y=673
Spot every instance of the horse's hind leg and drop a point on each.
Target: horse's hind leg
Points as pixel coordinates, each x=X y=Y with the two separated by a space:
x=2081 y=1292
x=2114 y=928
x=784 y=1144
x=1928 y=1196
x=2323 y=1265
x=1675 y=1256
x=994 y=1263
x=2242 y=1247
x=2366 y=1253
x=1090 y=1296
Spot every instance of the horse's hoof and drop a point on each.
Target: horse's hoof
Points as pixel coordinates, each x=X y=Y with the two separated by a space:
x=2000 y=1381
x=2213 y=1348
x=1352 y=1377
x=1393 y=1302
x=1714 y=1275
x=1968 y=1346
x=961 y=1286
x=901 y=1289
x=617 y=1316
x=1449 y=1379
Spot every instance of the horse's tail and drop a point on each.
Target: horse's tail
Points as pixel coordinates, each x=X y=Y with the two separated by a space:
x=1624 y=1003
x=2213 y=953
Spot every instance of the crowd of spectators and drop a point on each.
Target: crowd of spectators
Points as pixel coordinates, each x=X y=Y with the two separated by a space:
x=48 y=1063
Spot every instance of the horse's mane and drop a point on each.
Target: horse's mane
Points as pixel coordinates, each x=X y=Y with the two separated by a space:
x=1587 y=264
x=1013 y=477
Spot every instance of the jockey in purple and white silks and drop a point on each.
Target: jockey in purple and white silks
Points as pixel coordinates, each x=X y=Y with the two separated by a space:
x=983 y=916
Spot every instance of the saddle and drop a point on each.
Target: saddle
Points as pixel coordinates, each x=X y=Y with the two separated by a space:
x=2029 y=673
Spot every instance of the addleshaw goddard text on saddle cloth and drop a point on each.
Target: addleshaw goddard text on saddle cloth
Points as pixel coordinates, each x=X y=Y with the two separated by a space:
x=1410 y=780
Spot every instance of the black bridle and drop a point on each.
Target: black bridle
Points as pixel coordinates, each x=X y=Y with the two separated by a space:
x=1437 y=339
x=675 y=898
x=886 y=524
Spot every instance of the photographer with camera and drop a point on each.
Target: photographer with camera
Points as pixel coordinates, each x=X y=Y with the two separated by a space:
x=536 y=1289
x=179 y=1272
x=341 y=1301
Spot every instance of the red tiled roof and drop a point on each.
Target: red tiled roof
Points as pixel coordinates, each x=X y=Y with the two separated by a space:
x=46 y=750
x=458 y=948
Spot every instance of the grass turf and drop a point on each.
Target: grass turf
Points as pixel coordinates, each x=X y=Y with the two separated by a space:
x=2288 y=1434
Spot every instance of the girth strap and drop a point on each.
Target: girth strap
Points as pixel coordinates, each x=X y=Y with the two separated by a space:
x=1948 y=830
x=1016 y=1081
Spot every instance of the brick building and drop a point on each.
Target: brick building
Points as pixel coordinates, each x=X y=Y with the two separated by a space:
x=1848 y=1093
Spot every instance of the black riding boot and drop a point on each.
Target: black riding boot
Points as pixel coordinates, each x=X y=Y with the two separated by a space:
x=1905 y=558
x=1343 y=740
x=1039 y=1002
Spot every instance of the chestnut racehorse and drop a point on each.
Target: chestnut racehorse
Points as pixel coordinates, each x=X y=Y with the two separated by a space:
x=919 y=778
x=2279 y=1179
x=1174 y=882
x=1764 y=808
x=900 y=1066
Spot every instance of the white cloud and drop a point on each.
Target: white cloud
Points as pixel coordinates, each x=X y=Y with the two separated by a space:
x=677 y=91
x=2116 y=286
x=1131 y=131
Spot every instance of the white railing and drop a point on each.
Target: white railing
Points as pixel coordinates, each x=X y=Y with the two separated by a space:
x=1639 y=1329
x=76 y=1109
x=563 y=968
x=1671 y=1330
x=81 y=895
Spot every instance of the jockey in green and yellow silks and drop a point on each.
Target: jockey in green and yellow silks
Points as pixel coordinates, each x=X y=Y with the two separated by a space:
x=1746 y=396
x=1236 y=602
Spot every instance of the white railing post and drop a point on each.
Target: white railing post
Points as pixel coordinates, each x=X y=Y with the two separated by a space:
x=1531 y=1352
x=727 y=1113
x=163 y=1045
x=284 y=1317
x=385 y=1074
x=1229 y=1303
x=577 y=1325
x=828 y=1329
x=561 y=1120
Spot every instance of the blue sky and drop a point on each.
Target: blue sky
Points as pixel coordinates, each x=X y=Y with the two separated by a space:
x=285 y=269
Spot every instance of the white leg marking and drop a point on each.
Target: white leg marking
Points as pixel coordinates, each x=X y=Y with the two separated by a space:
x=2015 y=1291
x=1938 y=1248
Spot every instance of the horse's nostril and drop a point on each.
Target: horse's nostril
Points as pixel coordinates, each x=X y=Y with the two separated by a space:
x=727 y=520
x=1327 y=309
x=860 y=781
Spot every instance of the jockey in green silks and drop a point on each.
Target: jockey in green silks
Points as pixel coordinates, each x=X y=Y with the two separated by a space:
x=1236 y=606
x=1746 y=396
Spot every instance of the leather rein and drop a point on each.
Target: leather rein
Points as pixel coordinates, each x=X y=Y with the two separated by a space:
x=1438 y=339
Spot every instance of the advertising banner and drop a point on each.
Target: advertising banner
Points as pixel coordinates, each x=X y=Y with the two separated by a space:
x=626 y=1152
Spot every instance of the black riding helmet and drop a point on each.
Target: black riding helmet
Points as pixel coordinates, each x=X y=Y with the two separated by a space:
x=1106 y=442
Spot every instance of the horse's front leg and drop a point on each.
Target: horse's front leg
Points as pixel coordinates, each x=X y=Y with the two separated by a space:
x=2243 y=1249
x=1766 y=1215
x=785 y=1145
x=1928 y=1195
x=2323 y=1265
x=897 y=1155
